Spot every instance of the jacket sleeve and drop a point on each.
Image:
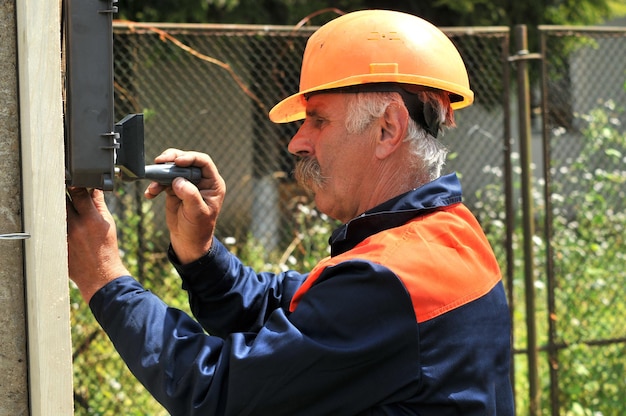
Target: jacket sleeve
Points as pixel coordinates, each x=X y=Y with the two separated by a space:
x=225 y=296
x=351 y=344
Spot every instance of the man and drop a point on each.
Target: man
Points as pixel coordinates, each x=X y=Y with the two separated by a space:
x=408 y=314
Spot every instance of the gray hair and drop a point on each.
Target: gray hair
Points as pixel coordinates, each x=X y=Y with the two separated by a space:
x=429 y=154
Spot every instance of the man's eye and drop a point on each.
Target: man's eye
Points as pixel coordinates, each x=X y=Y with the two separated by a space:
x=318 y=122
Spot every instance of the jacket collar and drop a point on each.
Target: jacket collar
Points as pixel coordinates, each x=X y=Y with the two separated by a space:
x=442 y=192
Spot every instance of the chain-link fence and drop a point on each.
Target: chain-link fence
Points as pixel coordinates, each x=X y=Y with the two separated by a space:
x=209 y=89
x=584 y=84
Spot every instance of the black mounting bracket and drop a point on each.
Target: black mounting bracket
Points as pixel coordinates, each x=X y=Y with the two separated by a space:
x=97 y=150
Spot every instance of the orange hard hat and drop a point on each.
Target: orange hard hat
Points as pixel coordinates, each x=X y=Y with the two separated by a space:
x=377 y=46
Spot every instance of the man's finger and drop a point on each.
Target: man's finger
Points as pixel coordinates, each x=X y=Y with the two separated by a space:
x=168 y=155
x=97 y=197
x=186 y=191
x=153 y=190
x=80 y=200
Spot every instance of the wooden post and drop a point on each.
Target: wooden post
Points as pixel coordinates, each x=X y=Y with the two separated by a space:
x=43 y=178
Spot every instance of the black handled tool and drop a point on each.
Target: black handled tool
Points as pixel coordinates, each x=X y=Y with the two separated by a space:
x=130 y=159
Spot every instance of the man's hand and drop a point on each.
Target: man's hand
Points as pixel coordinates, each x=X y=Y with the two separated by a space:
x=191 y=211
x=93 y=253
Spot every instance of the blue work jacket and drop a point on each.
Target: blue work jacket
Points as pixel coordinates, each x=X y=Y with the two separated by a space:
x=408 y=316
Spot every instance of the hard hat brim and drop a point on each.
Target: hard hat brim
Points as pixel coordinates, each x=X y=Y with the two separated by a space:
x=293 y=108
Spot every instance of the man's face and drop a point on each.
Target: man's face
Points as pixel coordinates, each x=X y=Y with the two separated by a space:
x=334 y=163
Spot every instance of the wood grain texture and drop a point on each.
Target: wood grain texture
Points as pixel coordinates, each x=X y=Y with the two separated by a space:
x=43 y=177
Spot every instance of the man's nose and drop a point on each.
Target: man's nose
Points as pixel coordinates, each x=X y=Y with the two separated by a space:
x=299 y=144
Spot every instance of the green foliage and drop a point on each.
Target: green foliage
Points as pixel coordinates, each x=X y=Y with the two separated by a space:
x=588 y=242
x=230 y=11
x=440 y=12
x=164 y=11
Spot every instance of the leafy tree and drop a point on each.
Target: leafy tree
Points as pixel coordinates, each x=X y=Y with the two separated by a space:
x=191 y=11
x=441 y=12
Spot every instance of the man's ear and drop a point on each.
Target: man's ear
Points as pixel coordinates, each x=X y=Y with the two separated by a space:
x=392 y=129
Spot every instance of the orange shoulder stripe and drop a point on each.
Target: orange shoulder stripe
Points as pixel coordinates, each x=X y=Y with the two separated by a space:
x=443 y=259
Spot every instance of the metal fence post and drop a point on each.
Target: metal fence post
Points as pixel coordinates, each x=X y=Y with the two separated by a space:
x=552 y=348
x=523 y=102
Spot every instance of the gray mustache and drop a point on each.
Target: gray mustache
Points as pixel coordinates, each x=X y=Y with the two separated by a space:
x=308 y=173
